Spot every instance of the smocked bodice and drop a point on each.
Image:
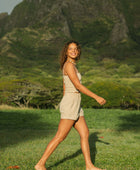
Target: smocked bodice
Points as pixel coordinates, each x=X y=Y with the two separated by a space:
x=69 y=87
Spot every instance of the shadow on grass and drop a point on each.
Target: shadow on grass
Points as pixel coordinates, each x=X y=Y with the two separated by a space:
x=93 y=139
x=130 y=122
x=78 y=152
x=20 y=126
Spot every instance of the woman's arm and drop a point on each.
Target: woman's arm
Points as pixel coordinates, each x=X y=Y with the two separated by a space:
x=71 y=71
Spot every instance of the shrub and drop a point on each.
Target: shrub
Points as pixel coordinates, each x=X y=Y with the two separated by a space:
x=125 y=71
x=109 y=63
x=116 y=95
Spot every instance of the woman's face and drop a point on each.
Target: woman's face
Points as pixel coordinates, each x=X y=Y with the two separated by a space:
x=72 y=51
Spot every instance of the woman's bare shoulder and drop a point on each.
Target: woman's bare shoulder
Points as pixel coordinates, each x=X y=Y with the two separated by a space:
x=69 y=66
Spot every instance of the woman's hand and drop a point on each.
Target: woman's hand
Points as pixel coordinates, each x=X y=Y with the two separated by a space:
x=100 y=100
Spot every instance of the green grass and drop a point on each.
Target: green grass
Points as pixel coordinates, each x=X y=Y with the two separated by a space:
x=114 y=139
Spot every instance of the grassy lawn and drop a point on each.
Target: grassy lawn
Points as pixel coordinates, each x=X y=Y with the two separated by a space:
x=114 y=139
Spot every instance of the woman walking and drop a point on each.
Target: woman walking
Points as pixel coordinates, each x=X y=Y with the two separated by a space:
x=72 y=114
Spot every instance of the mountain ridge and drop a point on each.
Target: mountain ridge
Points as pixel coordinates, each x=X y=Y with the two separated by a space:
x=35 y=27
x=66 y=17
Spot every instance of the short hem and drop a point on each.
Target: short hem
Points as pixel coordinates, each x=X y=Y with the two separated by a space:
x=70 y=118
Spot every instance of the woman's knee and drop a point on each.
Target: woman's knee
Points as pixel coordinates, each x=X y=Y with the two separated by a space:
x=85 y=135
x=59 y=138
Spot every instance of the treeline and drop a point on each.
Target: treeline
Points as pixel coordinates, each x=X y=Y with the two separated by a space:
x=116 y=94
x=48 y=92
x=24 y=93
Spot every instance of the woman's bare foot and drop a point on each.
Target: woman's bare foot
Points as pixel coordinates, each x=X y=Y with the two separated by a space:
x=92 y=167
x=39 y=167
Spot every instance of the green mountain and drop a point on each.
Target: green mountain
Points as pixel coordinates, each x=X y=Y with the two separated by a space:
x=33 y=35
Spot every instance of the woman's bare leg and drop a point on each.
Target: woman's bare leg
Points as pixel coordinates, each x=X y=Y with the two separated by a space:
x=83 y=131
x=64 y=127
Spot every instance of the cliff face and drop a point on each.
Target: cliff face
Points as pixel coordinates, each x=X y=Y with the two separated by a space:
x=36 y=29
x=91 y=19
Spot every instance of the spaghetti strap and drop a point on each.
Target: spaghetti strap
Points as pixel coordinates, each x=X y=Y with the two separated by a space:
x=64 y=67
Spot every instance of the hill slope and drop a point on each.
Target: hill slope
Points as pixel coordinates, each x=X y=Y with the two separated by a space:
x=35 y=26
x=33 y=35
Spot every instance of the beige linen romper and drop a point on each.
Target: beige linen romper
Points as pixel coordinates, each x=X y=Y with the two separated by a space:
x=70 y=104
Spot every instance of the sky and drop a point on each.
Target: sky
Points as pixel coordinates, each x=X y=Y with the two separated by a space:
x=8 y=5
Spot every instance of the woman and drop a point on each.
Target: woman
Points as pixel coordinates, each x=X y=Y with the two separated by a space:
x=72 y=114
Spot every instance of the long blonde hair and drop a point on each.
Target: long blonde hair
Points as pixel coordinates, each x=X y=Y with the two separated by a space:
x=63 y=55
